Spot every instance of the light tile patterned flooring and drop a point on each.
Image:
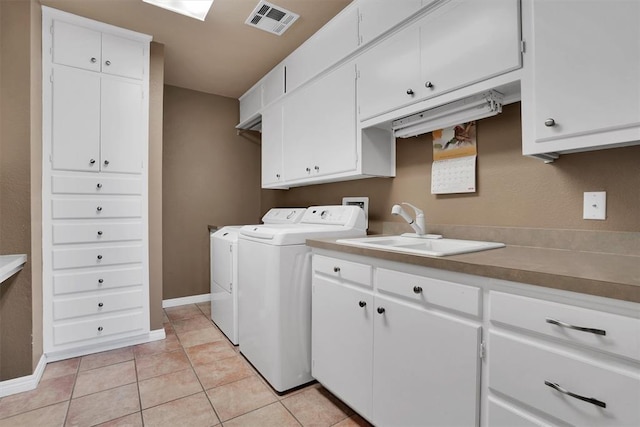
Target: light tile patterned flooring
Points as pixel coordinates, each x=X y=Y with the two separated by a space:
x=193 y=378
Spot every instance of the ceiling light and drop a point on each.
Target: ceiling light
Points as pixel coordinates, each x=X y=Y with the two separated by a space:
x=465 y=110
x=197 y=9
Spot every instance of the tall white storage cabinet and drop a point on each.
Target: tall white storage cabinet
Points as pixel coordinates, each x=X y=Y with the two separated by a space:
x=95 y=185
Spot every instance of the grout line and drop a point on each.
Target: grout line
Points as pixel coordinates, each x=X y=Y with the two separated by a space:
x=75 y=380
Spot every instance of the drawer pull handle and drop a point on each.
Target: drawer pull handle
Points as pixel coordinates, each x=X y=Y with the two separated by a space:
x=381 y=310
x=99 y=185
x=576 y=396
x=577 y=328
x=417 y=290
x=100 y=233
x=336 y=269
x=101 y=281
x=99 y=208
x=100 y=304
x=362 y=304
x=92 y=161
x=99 y=256
x=100 y=328
x=93 y=60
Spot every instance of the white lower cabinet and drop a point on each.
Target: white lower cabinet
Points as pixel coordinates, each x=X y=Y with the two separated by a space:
x=394 y=361
x=406 y=345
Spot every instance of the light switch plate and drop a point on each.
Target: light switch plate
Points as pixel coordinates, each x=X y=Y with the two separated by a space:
x=595 y=205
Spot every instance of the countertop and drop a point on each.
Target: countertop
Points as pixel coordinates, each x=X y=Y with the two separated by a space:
x=10 y=265
x=607 y=275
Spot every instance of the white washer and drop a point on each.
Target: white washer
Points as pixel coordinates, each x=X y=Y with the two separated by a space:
x=224 y=269
x=275 y=290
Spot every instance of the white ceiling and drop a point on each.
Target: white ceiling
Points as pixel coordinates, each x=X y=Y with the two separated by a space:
x=221 y=55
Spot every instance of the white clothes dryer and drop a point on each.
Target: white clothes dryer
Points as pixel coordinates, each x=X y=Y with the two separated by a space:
x=275 y=290
x=224 y=269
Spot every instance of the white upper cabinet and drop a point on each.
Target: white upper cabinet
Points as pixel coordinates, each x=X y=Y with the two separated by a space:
x=121 y=128
x=122 y=57
x=332 y=43
x=464 y=42
x=320 y=126
x=458 y=43
x=379 y=16
x=77 y=46
x=574 y=49
x=272 y=146
x=389 y=73
x=81 y=47
x=75 y=127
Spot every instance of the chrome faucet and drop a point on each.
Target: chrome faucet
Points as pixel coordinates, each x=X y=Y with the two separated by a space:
x=417 y=224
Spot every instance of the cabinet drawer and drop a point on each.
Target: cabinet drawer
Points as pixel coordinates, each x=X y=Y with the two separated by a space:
x=96 y=232
x=519 y=370
x=96 y=208
x=462 y=298
x=503 y=416
x=343 y=270
x=95 y=185
x=93 y=257
x=622 y=333
x=97 y=328
x=66 y=308
x=94 y=280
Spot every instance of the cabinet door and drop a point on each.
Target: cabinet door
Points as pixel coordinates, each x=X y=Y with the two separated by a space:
x=272 y=145
x=342 y=342
x=121 y=130
x=122 y=57
x=426 y=368
x=378 y=16
x=76 y=46
x=464 y=42
x=578 y=46
x=75 y=120
x=389 y=74
x=319 y=136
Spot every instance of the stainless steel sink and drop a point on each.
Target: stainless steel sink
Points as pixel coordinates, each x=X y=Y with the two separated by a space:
x=422 y=246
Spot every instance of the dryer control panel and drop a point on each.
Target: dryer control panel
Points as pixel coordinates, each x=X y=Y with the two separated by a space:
x=283 y=216
x=351 y=216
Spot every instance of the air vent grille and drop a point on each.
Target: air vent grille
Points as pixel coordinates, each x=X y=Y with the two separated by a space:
x=271 y=18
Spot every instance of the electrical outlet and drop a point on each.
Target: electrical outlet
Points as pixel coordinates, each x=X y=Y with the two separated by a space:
x=595 y=205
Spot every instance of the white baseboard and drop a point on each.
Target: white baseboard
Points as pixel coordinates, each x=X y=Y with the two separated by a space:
x=155 y=335
x=26 y=383
x=194 y=299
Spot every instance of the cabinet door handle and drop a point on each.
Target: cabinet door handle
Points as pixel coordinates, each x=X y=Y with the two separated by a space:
x=101 y=281
x=549 y=123
x=308 y=170
x=98 y=185
x=417 y=290
x=99 y=208
x=336 y=269
x=106 y=162
x=100 y=328
x=362 y=303
x=410 y=92
x=380 y=310
x=99 y=232
x=99 y=256
x=92 y=161
x=591 y=400
x=317 y=168
x=428 y=85
x=577 y=328
x=278 y=175
x=107 y=63
x=100 y=304
x=93 y=60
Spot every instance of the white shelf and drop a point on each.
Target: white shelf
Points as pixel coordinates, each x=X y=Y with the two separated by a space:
x=10 y=265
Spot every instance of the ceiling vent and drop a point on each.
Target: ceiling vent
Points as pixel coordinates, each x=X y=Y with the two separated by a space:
x=271 y=18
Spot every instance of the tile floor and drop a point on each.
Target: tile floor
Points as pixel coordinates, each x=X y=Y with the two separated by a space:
x=193 y=378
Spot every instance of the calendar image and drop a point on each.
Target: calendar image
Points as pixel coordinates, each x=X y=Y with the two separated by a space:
x=454 y=159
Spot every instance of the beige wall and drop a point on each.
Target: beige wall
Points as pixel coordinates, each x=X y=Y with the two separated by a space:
x=15 y=186
x=513 y=190
x=156 y=93
x=210 y=176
